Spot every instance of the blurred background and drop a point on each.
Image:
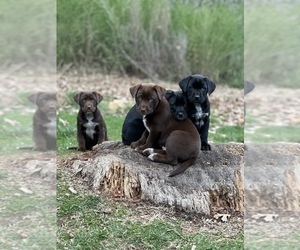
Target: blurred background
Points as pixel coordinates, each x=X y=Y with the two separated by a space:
x=158 y=39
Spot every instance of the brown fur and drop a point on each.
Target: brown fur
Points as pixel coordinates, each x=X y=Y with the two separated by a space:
x=44 y=120
x=91 y=128
x=180 y=138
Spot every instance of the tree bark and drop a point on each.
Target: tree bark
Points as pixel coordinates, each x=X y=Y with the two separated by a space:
x=215 y=182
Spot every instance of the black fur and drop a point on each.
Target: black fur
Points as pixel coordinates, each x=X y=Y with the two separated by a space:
x=196 y=89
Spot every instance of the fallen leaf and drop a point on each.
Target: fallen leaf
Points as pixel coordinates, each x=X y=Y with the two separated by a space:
x=72 y=190
x=11 y=122
x=25 y=190
x=224 y=217
x=64 y=122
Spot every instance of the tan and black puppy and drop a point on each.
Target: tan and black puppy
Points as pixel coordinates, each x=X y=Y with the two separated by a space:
x=180 y=138
x=91 y=128
x=44 y=120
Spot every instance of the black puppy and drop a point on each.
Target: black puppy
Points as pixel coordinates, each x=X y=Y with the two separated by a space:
x=196 y=89
x=133 y=126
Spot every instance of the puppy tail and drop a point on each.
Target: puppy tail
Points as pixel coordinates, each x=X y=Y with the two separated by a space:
x=183 y=166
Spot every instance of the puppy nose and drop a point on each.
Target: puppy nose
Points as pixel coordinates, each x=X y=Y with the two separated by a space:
x=180 y=114
x=197 y=97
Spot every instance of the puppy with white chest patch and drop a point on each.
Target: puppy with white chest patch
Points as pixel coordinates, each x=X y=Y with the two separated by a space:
x=44 y=120
x=180 y=138
x=91 y=128
x=196 y=88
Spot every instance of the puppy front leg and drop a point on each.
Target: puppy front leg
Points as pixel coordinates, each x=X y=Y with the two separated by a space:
x=141 y=141
x=80 y=140
x=39 y=138
x=150 y=142
x=102 y=136
x=204 y=135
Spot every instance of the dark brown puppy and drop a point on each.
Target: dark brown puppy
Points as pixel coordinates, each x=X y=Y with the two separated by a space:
x=180 y=138
x=44 y=120
x=91 y=128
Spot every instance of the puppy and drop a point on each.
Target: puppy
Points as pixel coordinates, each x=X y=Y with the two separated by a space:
x=180 y=138
x=91 y=128
x=133 y=126
x=44 y=120
x=196 y=88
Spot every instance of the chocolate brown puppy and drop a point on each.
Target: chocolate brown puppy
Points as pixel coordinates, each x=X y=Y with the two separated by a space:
x=44 y=120
x=91 y=128
x=133 y=126
x=180 y=138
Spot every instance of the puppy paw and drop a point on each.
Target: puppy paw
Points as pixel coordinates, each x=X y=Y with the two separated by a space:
x=152 y=157
x=82 y=149
x=135 y=144
x=205 y=147
x=41 y=149
x=148 y=151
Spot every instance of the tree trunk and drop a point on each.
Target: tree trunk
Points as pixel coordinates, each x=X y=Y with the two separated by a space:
x=215 y=182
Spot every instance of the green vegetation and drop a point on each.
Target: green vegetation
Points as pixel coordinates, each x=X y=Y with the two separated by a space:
x=28 y=33
x=158 y=39
x=28 y=221
x=272 y=43
x=87 y=220
x=269 y=134
x=266 y=242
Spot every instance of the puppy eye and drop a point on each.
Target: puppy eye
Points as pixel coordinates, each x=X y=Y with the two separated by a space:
x=151 y=100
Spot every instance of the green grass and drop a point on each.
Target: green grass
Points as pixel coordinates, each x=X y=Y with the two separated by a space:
x=157 y=39
x=269 y=134
x=84 y=221
x=17 y=135
x=228 y=134
x=28 y=221
x=261 y=241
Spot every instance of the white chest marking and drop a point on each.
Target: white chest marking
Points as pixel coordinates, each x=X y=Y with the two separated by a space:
x=51 y=127
x=145 y=123
x=90 y=128
x=199 y=116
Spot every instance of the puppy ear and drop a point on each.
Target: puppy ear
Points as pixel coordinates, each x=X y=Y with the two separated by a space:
x=183 y=84
x=34 y=97
x=169 y=94
x=77 y=97
x=133 y=90
x=248 y=87
x=160 y=91
x=211 y=86
x=99 y=97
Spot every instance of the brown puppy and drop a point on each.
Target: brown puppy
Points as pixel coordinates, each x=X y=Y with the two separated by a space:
x=180 y=138
x=44 y=120
x=91 y=128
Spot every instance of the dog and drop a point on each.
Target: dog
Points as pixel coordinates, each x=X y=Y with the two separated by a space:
x=180 y=138
x=196 y=89
x=91 y=128
x=44 y=120
x=133 y=126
